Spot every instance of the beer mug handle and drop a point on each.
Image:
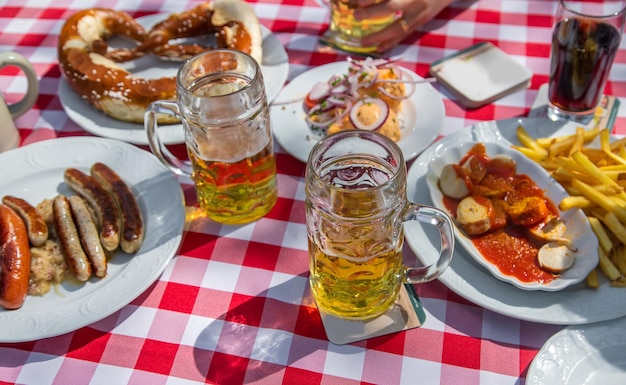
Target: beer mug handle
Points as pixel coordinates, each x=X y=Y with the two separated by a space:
x=438 y=218
x=32 y=92
x=158 y=148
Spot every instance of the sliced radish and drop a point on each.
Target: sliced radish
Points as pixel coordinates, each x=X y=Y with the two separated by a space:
x=319 y=91
x=339 y=89
x=382 y=114
x=336 y=80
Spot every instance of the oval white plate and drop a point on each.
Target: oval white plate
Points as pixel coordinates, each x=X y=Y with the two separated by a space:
x=423 y=114
x=35 y=172
x=578 y=228
x=275 y=68
x=582 y=355
x=576 y=304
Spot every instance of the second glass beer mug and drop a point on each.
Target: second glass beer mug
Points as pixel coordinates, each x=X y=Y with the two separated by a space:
x=348 y=31
x=356 y=206
x=222 y=104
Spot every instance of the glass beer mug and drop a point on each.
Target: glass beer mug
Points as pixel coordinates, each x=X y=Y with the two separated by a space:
x=222 y=104
x=356 y=206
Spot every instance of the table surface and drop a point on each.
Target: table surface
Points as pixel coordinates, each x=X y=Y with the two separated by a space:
x=239 y=329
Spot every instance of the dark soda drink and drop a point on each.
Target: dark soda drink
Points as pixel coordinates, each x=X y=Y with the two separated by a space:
x=582 y=54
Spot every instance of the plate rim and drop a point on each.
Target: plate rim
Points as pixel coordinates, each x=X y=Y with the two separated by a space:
x=552 y=186
x=50 y=321
x=97 y=123
x=549 y=349
x=289 y=100
x=570 y=306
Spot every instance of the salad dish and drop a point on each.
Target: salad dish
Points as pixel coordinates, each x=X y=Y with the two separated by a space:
x=371 y=94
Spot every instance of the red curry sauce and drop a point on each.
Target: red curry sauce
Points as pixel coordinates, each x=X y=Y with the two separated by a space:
x=509 y=249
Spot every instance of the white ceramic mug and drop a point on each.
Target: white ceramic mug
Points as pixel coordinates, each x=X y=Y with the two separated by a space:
x=9 y=136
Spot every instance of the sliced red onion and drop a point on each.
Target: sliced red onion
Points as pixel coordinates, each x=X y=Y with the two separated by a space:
x=336 y=100
x=343 y=112
x=327 y=107
x=327 y=120
x=384 y=91
x=409 y=86
x=379 y=62
x=373 y=63
x=328 y=115
x=391 y=61
x=415 y=81
x=382 y=117
x=316 y=109
x=373 y=77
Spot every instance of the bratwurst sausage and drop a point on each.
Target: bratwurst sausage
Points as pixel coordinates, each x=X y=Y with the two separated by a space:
x=35 y=224
x=102 y=202
x=70 y=239
x=132 y=221
x=14 y=259
x=89 y=237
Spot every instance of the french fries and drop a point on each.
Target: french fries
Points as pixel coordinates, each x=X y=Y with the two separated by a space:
x=595 y=178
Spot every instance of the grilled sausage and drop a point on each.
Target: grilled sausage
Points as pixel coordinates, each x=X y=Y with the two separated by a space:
x=101 y=201
x=132 y=233
x=35 y=224
x=14 y=259
x=89 y=236
x=69 y=238
x=475 y=214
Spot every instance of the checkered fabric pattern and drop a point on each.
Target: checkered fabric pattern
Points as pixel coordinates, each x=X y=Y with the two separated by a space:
x=233 y=306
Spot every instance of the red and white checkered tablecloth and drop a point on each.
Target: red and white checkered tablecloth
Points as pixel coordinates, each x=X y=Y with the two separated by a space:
x=233 y=306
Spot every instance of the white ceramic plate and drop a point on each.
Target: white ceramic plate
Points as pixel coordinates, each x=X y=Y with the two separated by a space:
x=574 y=305
x=35 y=172
x=275 y=68
x=578 y=228
x=423 y=114
x=582 y=355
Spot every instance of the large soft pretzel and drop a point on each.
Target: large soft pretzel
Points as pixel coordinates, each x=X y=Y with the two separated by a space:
x=233 y=22
x=90 y=67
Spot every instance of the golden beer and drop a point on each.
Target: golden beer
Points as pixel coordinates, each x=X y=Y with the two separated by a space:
x=234 y=168
x=348 y=31
x=220 y=98
x=355 y=289
x=236 y=192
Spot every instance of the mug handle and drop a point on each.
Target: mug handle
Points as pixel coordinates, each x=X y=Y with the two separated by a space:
x=435 y=217
x=30 y=97
x=158 y=148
